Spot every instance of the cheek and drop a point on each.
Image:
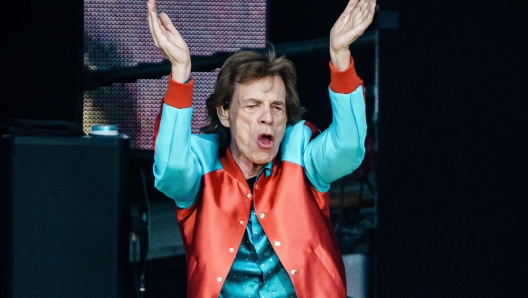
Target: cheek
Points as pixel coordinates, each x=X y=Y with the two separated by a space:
x=242 y=128
x=281 y=124
x=279 y=132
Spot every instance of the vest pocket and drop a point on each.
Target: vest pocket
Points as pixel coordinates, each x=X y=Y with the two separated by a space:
x=328 y=263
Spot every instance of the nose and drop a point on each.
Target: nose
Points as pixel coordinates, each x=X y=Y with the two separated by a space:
x=266 y=117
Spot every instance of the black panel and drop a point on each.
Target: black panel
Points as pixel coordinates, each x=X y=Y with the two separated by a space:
x=452 y=203
x=62 y=226
x=41 y=60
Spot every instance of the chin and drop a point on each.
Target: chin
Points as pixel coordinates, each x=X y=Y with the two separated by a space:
x=263 y=159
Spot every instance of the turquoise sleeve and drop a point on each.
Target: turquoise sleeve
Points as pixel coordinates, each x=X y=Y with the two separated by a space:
x=181 y=159
x=338 y=150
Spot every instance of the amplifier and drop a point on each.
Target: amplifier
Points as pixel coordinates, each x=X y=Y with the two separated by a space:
x=62 y=206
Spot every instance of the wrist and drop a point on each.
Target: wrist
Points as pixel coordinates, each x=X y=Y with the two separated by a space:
x=181 y=73
x=340 y=58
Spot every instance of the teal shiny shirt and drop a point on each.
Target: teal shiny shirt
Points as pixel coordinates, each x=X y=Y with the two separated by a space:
x=257 y=270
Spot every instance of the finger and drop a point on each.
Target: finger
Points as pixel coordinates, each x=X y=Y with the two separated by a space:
x=365 y=4
x=371 y=7
x=152 y=15
x=367 y=16
x=350 y=6
x=151 y=4
x=162 y=28
x=352 y=3
x=345 y=15
x=368 y=10
x=169 y=26
x=157 y=29
x=363 y=11
x=372 y=11
x=154 y=18
x=362 y=8
x=151 y=28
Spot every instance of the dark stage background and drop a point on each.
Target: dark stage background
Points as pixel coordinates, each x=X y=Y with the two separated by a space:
x=452 y=210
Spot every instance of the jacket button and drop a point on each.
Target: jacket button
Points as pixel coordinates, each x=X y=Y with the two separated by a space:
x=261 y=215
x=294 y=272
x=231 y=250
x=241 y=222
x=219 y=279
x=277 y=243
x=256 y=186
x=249 y=196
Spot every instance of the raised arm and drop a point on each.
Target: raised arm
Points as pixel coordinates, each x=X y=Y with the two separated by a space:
x=177 y=170
x=340 y=148
x=356 y=17
x=169 y=41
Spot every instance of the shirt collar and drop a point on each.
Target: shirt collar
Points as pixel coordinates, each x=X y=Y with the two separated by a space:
x=266 y=170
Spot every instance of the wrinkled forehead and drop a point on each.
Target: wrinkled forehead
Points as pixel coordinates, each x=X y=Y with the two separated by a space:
x=263 y=89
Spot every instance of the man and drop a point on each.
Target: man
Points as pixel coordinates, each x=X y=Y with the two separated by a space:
x=252 y=193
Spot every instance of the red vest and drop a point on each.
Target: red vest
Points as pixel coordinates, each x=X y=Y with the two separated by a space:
x=295 y=217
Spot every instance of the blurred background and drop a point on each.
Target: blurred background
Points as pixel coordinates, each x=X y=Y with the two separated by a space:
x=437 y=209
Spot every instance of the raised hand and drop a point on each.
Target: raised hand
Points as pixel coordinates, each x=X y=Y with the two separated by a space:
x=356 y=17
x=170 y=42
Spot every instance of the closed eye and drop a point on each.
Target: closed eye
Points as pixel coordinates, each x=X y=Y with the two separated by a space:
x=277 y=109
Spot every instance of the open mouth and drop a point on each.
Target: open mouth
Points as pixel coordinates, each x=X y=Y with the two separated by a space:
x=265 y=141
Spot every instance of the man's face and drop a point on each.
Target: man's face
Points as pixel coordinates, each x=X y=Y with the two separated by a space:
x=257 y=120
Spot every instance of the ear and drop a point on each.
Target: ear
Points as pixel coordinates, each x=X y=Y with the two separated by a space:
x=223 y=115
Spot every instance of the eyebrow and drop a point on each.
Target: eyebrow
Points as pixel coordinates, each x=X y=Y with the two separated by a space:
x=275 y=102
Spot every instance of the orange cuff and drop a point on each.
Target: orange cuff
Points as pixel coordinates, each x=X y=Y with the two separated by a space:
x=179 y=95
x=345 y=81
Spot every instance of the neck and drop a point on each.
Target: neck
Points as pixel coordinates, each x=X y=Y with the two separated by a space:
x=247 y=168
x=251 y=172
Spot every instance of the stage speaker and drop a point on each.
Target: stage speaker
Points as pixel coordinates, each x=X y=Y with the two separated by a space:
x=63 y=233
